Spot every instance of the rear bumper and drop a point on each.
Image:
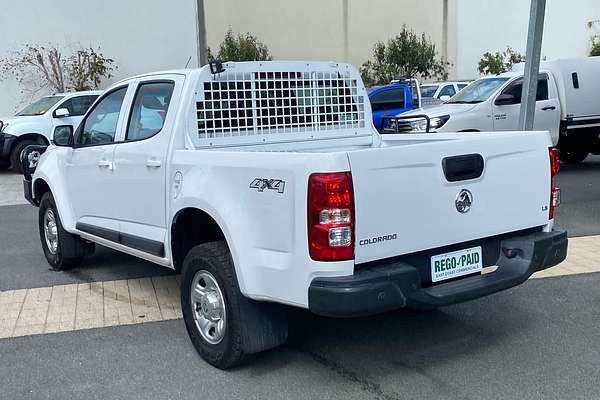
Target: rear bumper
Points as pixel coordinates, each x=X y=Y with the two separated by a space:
x=397 y=284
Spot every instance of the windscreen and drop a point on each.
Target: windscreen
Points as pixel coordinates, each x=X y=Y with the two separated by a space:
x=478 y=91
x=39 y=107
x=428 y=91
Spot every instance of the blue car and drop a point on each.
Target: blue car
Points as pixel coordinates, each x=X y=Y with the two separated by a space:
x=390 y=100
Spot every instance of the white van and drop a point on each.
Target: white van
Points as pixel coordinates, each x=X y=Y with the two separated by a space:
x=568 y=106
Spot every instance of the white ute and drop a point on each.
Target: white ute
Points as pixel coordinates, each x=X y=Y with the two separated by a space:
x=568 y=105
x=266 y=185
x=34 y=123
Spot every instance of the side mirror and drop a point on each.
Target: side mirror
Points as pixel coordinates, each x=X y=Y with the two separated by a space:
x=63 y=136
x=445 y=98
x=506 y=99
x=61 y=113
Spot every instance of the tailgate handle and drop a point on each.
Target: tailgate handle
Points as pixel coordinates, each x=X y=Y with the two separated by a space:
x=462 y=168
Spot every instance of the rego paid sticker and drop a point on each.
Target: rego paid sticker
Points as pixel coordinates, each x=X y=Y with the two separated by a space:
x=455 y=264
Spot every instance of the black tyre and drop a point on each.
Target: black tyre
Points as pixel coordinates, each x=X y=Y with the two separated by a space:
x=15 y=155
x=4 y=164
x=225 y=327
x=573 y=156
x=62 y=249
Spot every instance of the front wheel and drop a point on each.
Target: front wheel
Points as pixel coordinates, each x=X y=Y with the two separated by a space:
x=15 y=155
x=225 y=327
x=62 y=249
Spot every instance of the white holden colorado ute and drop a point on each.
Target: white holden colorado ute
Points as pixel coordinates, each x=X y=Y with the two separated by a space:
x=266 y=185
x=567 y=105
x=35 y=123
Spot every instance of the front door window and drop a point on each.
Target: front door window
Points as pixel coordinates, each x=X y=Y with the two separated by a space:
x=100 y=126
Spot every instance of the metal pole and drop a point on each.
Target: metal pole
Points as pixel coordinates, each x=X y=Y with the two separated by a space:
x=532 y=64
x=201 y=27
x=345 y=16
x=445 y=30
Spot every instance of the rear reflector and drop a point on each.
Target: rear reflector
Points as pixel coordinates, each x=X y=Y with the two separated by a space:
x=331 y=217
x=554 y=161
x=554 y=191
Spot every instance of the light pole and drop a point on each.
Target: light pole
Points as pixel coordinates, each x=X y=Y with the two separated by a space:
x=445 y=30
x=201 y=29
x=532 y=64
x=345 y=17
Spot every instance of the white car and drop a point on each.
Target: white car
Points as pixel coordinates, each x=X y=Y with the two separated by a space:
x=266 y=185
x=442 y=90
x=568 y=106
x=34 y=124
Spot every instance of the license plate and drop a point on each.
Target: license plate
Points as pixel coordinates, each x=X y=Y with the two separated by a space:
x=455 y=264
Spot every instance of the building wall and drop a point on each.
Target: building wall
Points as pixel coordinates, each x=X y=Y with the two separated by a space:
x=153 y=35
x=314 y=29
x=492 y=25
x=141 y=36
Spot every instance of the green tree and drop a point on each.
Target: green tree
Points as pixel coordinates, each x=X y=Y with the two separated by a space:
x=240 y=47
x=499 y=62
x=407 y=55
x=595 y=39
x=595 y=50
x=86 y=68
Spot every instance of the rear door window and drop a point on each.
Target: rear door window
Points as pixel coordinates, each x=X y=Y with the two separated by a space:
x=149 y=110
x=428 y=91
x=542 y=89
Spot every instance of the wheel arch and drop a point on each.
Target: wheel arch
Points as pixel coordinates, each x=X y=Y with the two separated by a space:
x=190 y=227
x=40 y=187
x=52 y=182
x=38 y=137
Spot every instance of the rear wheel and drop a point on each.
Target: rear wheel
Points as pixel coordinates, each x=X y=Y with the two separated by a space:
x=573 y=156
x=225 y=327
x=62 y=249
x=15 y=155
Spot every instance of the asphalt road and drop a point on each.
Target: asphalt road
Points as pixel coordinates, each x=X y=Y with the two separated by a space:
x=22 y=262
x=538 y=340
x=580 y=187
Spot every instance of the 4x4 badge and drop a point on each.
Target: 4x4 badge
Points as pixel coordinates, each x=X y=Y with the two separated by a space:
x=273 y=184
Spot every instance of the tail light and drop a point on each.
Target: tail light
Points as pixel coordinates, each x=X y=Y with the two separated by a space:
x=331 y=217
x=554 y=191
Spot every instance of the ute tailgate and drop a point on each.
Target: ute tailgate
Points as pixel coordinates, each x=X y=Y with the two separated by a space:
x=405 y=202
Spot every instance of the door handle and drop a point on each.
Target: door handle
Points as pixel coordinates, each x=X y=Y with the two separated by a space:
x=153 y=163
x=549 y=108
x=105 y=164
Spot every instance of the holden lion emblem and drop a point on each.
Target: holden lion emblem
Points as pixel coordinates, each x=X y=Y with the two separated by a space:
x=464 y=201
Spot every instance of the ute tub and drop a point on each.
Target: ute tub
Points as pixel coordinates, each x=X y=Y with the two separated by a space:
x=397 y=283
